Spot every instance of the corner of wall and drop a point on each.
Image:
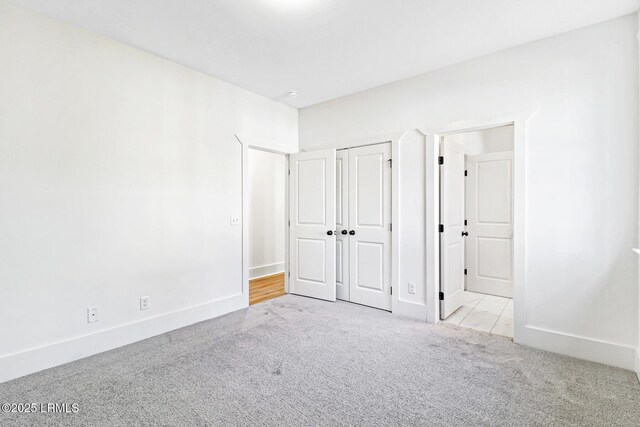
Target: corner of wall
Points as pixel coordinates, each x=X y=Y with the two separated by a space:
x=410 y=310
x=637 y=358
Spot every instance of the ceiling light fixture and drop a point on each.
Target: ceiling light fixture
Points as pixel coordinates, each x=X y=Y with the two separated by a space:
x=293 y=93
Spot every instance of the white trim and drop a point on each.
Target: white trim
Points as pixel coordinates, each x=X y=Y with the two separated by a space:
x=245 y=219
x=246 y=275
x=637 y=363
x=358 y=142
x=609 y=353
x=255 y=144
x=432 y=218
x=397 y=306
x=26 y=362
x=287 y=229
x=266 y=270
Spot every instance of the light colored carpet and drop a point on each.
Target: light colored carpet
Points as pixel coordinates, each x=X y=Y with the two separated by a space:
x=298 y=361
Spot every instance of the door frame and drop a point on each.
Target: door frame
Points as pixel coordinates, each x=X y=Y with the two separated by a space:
x=434 y=135
x=245 y=215
x=397 y=306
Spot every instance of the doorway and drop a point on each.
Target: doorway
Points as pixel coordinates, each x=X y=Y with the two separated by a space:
x=476 y=229
x=267 y=227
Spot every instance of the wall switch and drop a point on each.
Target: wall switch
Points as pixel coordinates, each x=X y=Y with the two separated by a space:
x=235 y=220
x=92 y=314
x=412 y=287
x=145 y=303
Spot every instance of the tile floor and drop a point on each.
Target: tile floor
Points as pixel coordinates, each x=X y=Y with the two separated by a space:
x=486 y=313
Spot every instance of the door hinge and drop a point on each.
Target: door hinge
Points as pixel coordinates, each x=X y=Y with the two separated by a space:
x=289 y=223
x=440 y=160
x=465 y=271
x=289 y=171
x=390 y=290
x=289 y=273
x=441 y=296
x=465 y=172
x=441 y=228
x=390 y=227
x=390 y=163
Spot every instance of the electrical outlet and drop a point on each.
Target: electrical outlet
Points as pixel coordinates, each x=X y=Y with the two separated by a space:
x=145 y=303
x=235 y=220
x=92 y=314
x=412 y=287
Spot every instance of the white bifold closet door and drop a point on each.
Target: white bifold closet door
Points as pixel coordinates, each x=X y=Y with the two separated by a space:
x=452 y=229
x=313 y=223
x=364 y=212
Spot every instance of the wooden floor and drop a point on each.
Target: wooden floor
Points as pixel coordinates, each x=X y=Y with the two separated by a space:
x=265 y=288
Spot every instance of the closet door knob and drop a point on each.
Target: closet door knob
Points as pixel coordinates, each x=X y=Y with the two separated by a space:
x=352 y=232
x=344 y=231
x=330 y=233
x=464 y=233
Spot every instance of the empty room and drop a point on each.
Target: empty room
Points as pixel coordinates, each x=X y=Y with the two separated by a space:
x=319 y=212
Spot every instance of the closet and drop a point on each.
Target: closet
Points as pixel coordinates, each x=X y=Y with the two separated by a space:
x=340 y=231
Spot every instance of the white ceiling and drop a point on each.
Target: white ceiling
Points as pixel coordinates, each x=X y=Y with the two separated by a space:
x=326 y=48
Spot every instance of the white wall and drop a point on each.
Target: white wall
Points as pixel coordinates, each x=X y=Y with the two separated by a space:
x=266 y=213
x=119 y=172
x=581 y=172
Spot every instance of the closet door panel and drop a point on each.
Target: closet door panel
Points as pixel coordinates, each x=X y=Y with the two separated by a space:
x=369 y=225
x=313 y=222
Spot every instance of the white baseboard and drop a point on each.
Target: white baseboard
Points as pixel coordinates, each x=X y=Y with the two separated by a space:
x=26 y=362
x=410 y=309
x=608 y=353
x=638 y=362
x=266 y=270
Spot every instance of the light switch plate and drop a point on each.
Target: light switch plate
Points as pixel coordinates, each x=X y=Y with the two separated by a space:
x=145 y=303
x=412 y=287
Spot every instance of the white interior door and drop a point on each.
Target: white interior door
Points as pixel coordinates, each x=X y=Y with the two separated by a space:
x=452 y=250
x=342 y=224
x=369 y=225
x=489 y=214
x=313 y=224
